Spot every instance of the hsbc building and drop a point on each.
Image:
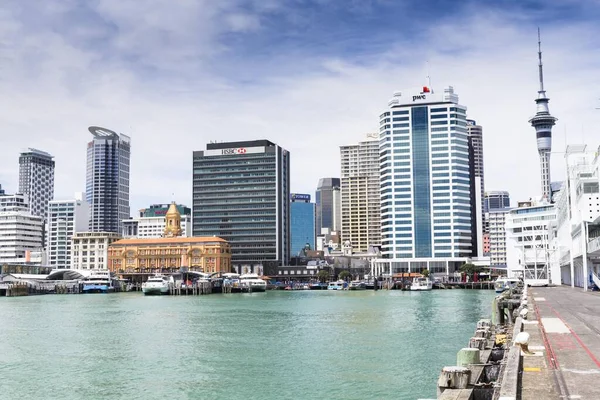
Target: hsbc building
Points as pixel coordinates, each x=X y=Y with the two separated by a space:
x=241 y=193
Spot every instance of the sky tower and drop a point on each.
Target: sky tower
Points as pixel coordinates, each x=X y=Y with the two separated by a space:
x=543 y=123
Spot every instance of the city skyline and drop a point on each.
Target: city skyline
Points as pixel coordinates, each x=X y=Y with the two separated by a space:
x=95 y=69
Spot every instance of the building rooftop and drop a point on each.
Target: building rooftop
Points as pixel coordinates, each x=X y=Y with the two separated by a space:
x=174 y=240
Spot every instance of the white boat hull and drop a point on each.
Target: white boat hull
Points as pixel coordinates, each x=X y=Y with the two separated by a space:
x=420 y=288
x=155 y=290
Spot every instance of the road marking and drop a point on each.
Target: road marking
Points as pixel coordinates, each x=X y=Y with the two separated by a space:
x=539 y=298
x=582 y=371
x=537 y=348
x=532 y=369
x=554 y=325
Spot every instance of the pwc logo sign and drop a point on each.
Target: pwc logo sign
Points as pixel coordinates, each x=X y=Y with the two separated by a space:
x=419 y=97
x=239 y=150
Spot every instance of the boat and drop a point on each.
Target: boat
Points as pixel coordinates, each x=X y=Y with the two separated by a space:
x=318 y=286
x=337 y=285
x=156 y=285
x=357 y=285
x=503 y=283
x=421 y=284
x=232 y=280
x=99 y=281
x=252 y=283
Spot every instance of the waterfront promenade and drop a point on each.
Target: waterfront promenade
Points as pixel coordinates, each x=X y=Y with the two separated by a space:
x=566 y=340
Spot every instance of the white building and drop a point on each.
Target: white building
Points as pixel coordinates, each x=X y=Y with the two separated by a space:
x=65 y=217
x=89 y=250
x=577 y=229
x=36 y=179
x=496 y=221
x=426 y=220
x=20 y=232
x=529 y=244
x=152 y=227
x=360 y=198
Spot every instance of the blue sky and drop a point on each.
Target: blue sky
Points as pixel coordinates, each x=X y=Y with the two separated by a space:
x=310 y=75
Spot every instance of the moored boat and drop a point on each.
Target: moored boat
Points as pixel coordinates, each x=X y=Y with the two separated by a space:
x=503 y=283
x=357 y=285
x=252 y=283
x=421 y=284
x=99 y=281
x=337 y=285
x=156 y=285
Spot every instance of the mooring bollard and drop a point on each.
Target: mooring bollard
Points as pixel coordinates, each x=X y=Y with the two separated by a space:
x=467 y=356
x=483 y=333
x=453 y=378
x=477 y=343
x=484 y=323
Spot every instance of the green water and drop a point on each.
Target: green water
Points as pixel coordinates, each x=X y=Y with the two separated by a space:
x=274 y=345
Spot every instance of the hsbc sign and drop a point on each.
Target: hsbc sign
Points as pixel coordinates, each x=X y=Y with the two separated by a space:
x=234 y=151
x=239 y=150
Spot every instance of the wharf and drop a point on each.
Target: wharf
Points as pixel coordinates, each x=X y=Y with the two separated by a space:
x=566 y=329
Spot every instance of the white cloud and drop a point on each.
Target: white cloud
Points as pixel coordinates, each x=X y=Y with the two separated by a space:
x=152 y=76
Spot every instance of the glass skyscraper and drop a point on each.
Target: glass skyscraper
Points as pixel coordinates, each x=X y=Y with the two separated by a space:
x=302 y=224
x=36 y=180
x=107 y=179
x=328 y=205
x=425 y=183
x=241 y=193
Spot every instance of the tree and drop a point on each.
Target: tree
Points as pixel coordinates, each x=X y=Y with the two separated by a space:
x=425 y=273
x=344 y=275
x=323 y=275
x=470 y=269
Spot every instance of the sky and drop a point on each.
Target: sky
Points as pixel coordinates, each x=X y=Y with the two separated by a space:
x=309 y=75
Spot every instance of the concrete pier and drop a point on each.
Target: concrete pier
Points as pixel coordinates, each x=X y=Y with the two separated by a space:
x=565 y=339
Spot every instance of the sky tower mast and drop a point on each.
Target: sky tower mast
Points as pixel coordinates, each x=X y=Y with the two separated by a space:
x=543 y=123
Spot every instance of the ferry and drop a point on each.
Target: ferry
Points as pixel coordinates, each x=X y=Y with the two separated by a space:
x=252 y=283
x=421 y=284
x=232 y=280
x=337 y=285
x=503 y=283
x=156 y=285
x=357 y=285
x=99 y=281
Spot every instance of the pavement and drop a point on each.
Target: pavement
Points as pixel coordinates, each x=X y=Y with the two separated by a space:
x=565 y=340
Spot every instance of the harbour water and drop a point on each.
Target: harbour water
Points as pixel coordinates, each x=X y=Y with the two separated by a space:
x=273 y=345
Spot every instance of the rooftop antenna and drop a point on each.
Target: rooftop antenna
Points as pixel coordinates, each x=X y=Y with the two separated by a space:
x=429 y=78
x=541 y=91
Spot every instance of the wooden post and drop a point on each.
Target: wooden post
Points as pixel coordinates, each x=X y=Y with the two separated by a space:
x=453 y=378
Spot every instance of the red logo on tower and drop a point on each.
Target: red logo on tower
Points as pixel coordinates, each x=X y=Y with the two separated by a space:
x=241 y=150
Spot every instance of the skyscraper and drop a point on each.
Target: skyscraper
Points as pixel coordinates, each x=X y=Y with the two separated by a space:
x=65 y=218
x=21 y=239
x=36 y=179
x=543 y=123
x=360 y=198
x=107 y=183
x=425 y=182
x=328 y=205
x=241 y=193
x=302 y=213
x=496 y=200
x=476 y=141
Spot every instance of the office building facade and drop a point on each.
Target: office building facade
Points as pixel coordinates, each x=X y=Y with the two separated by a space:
x=89 y=250
x=36 y=179
x=328 y=205
x=151 y=222
x=65 y=218
x=475 y=133
x=302 y=224
x=241 y=193
x=107 y=179
x=497 y=237
x=496 y=200
x=360 y=198
x=21 y=235
x=426 y=194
